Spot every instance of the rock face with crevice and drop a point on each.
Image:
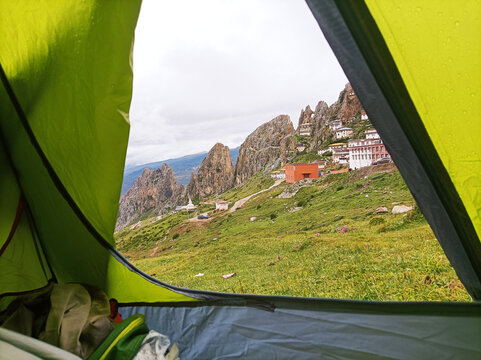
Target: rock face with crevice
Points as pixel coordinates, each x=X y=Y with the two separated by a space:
x=346 y=108
x=154 y=190
x=262 y=147
x=215 y=174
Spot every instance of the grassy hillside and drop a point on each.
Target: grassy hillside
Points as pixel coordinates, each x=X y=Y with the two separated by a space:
x=324 y=241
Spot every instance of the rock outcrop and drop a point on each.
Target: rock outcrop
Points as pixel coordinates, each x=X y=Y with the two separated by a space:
x=287 y=149
x=262 y=147
x=346 y=108
x=320 y=131
x=305 y=118
x=154 y=190
x=350 y=107
x=215 y=174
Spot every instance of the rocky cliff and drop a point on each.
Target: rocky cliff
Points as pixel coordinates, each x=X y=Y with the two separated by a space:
x=215 y=174
x=349 y=105
x=154 y=190
x=345 y=108
x=262 y=147
x=305 y=118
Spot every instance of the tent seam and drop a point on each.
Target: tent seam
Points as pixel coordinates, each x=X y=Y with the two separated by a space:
x=13 y=229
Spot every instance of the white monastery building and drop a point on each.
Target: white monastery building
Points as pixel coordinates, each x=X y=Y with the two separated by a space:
x=221 y=205
x=340 y=153
x=343 y=133
x=364 y=152
x=334 y=124
x=305 y=129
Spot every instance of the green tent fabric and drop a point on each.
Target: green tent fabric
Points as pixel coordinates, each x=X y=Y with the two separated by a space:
x=416 y=74
x=66 y=85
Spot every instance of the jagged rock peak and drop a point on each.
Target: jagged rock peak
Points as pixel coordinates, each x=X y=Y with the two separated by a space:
x=153 y=189
x=215 y=174
x=305 y=117
x=349 y=104
x=262 y=147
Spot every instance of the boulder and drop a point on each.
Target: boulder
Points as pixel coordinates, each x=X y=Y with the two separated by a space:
x=400 y=209
x=380 y=210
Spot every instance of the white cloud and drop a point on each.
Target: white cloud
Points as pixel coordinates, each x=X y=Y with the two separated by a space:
x=213 y=70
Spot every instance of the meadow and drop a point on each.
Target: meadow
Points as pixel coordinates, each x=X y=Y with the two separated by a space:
x=324 y=241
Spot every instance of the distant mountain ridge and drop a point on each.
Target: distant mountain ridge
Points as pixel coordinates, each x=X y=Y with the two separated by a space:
x=182 y=166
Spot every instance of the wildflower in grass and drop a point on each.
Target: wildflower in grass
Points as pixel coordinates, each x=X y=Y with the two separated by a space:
x=317 y=234
x=353 y=228
x=279 y=237
x=341 y=231
x=344 y=228
x=297 y=245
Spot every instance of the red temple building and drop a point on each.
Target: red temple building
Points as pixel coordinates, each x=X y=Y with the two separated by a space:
x=296 y=172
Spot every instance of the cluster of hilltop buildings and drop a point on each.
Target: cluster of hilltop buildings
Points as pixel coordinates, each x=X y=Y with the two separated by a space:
x=359 y=152
x=356 y=153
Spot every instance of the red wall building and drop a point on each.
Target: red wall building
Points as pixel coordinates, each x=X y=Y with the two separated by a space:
x=296 y=172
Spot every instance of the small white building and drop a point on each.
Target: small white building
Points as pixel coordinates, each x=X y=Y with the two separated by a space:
x=344 y=132
x=305 y=129
x=221 y=205
x=322 y=151
x=278 y=174
x=372 y=134
x=339 y=150
x=343 y=160
x=364 y=115
x=334 y=124
x=301 y=147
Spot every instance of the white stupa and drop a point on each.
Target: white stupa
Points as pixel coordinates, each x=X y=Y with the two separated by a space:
x=190 y=205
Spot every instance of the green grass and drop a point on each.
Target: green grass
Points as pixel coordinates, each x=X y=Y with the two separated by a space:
x=306 y=157
x=257 y=182
x=302 y=253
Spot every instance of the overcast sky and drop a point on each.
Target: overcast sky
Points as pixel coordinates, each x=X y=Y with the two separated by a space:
x=214 y=70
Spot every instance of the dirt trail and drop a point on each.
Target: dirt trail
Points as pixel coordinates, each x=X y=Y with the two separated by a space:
x=238 y=204
x=241 y=202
